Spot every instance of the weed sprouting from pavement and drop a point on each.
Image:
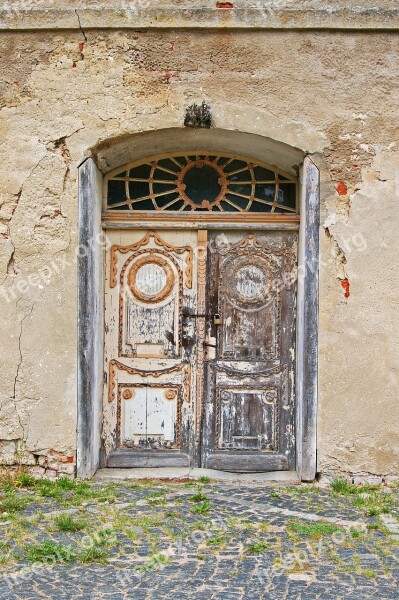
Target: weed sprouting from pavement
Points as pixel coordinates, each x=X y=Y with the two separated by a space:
x=257 y=547
x=49 y=552
x=199 y=497
x=204 y=479
x=315 y=530
x=202 y=508
x=67 y=522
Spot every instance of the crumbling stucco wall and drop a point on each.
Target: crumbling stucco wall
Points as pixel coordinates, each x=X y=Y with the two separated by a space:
x=332 y=94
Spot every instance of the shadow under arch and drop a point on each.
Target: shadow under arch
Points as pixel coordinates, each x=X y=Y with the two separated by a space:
x=112 y=153
x=108 y=155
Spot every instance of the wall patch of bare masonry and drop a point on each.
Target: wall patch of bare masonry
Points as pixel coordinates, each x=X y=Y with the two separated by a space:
x=41 y=463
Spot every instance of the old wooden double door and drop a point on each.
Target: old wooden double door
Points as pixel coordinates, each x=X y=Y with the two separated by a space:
x=200 y=349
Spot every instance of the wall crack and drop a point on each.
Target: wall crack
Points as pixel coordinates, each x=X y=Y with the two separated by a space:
x=340 y=261
x=16 y=378
x=80 y=26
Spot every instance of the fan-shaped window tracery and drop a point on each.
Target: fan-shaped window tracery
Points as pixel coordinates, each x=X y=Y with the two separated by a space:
x=202 y=183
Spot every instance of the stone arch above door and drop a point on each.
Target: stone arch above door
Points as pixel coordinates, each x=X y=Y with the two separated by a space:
x=111 y=154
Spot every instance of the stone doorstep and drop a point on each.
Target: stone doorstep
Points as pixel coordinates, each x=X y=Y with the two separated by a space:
x=191 y=473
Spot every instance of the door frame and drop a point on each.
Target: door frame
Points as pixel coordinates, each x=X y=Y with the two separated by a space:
x=90 y=335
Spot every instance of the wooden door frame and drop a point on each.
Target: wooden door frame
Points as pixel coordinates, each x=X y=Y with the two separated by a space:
x=91 y=320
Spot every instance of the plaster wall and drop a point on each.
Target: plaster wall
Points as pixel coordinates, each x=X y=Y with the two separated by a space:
x=65 y=95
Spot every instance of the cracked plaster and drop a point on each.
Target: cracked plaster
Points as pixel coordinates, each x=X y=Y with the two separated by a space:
x=67 y=93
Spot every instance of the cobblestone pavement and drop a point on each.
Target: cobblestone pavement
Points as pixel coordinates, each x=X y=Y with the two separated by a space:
x=197 y=540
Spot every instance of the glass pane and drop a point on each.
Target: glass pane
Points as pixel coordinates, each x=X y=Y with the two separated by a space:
x=228 y=207
x=287 y=195
x=138 y=189
x=265 y=192
x=165 y=200
x=162 y=188
x=202 y=184
x=167 y=163
x=116 y=192
x=161 y=174
x=262 y=174
x=235 y=165
x=245 y=190
x=258 y=207
x=143 y=205
x=142 y=171
x=242 y=203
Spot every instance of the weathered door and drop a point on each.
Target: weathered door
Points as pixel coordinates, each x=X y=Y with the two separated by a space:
x=150 y=350
x=200 y=343
x=248 y=421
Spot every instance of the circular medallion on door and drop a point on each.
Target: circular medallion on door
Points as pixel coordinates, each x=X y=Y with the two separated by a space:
x=251 y=284
x=250 y=287
x=151 y=279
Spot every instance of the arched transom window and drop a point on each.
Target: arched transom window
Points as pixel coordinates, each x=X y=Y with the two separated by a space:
x=193 y=182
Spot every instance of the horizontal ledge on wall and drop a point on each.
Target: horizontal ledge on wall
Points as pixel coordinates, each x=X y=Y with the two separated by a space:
x=277 y=226
x=266 y=18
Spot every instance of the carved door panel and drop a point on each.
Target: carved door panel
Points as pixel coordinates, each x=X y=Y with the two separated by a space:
x=248 y=422
x=150 y=350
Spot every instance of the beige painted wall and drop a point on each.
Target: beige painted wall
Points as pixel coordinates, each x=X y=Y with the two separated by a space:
x=332 y=94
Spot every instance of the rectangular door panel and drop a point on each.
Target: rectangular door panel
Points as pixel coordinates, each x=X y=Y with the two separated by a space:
x=247 y=419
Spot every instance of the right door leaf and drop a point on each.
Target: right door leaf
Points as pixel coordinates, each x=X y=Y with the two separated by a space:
x=249 y=402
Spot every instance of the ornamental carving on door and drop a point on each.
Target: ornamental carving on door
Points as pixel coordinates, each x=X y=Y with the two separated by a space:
x=151 y=291
x=132 y=406
x=149 y=374
x=251 y=276
x=200 y=319
x=150 y=296
x=261 y=414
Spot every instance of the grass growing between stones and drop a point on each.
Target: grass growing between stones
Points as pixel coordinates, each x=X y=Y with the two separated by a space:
x=218 y=539
x=204 y=479
x=257 y=547
x=67 y=522
x=11 y=502
x=372 y=500
x=314 y=530
x=199 y=497
x=67 y=492
x=201 y=509
x=49 y=552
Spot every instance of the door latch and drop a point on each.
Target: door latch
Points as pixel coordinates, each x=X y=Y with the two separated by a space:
x=217 y=320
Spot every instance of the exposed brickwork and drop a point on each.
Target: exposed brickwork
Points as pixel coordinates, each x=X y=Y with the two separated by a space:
x=47 y=463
